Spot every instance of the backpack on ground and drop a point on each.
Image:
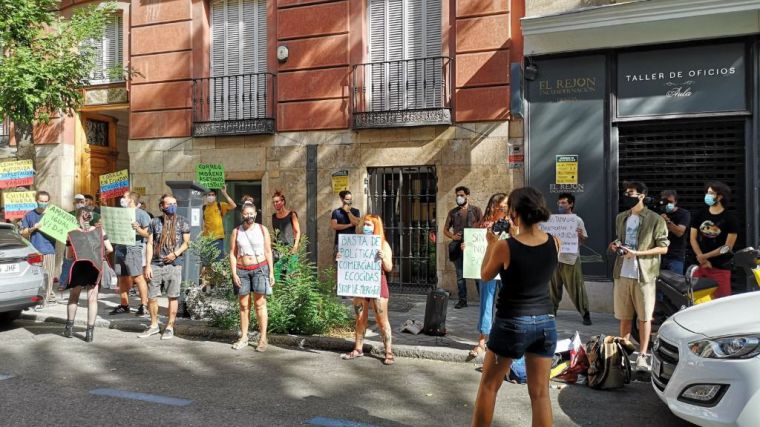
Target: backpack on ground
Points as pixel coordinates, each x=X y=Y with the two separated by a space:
x=609 y=362
x=435 y=313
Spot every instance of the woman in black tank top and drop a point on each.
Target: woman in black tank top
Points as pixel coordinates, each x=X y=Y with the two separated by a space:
x=524 y=323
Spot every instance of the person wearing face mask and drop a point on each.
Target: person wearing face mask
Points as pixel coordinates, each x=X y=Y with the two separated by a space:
x=252 y=267
x=678 y=221
x=373 y=225
x=713 y=235
x=213 y=217
x=461 y=217
x=87 y=247
x=287 y=232
x=569 y=272
x=79 y=202
x=129 y=260
x=345 y=219
x=642 y=237
x=168 y=239
x=44 y=244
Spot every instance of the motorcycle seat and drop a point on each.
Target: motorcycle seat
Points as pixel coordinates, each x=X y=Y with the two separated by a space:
x=704 y=283
x=680 y=284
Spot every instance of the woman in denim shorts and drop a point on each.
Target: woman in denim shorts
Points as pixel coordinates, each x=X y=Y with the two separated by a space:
x=252 y=273
x=524 y=323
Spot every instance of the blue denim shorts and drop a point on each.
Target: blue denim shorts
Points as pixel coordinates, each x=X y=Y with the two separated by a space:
x=512 y=337
x=256 y=281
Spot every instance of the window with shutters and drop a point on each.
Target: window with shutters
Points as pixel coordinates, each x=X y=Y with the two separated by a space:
x=406 y=69
x=238 y=59
x=108 y=53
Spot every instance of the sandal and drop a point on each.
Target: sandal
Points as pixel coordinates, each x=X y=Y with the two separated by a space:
x=262 y=347
x=241 y=343
x=389 y=359
x=351 y=356
x=475 y=352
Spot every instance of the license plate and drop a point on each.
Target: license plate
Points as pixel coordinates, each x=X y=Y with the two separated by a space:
x=9 y=268
x=656 y=366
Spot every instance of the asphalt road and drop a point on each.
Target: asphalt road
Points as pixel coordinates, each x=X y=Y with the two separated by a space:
x=46 y=379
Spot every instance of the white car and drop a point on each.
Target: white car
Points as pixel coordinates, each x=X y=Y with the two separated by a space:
x=22 y=278
x=706 y=362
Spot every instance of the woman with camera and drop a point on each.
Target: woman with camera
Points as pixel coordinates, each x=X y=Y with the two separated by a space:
x=524 y=322
x=495 y=212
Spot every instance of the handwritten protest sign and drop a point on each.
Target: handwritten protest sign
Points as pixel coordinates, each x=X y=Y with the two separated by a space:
x=565 y=227
x=57 y=223
x=16 y=173
x=114 y=184
x=474 y=250
x=18 y=203
x=358 y=268
x=210 y=176
x=118 y=225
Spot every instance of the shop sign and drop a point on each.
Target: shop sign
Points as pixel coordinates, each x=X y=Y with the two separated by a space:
x=690 y=80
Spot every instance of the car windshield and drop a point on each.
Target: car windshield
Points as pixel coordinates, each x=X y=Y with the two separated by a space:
x=9 y=239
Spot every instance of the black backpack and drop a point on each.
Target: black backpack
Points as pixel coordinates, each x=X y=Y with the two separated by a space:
x=609 y=362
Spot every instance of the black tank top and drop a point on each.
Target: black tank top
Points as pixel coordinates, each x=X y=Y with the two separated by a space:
x=285 y=235
x=525 y=284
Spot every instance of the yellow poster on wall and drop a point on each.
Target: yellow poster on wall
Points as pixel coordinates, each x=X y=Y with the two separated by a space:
x=566 y=169
x=340 y=181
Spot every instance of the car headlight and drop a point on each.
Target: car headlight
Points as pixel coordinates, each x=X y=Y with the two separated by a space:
x=736 y=347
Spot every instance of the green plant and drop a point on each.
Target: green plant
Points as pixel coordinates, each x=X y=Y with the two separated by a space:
x=303 y=301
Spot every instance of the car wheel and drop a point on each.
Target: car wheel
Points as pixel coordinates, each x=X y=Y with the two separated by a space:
x=9 y=316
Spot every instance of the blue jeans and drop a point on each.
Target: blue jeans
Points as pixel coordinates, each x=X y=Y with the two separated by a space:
x=672 y=264
x=488 y=292
x=461 y=281
x=512 y=337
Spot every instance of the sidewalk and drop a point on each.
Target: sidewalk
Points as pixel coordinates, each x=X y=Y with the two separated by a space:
x=454 y=347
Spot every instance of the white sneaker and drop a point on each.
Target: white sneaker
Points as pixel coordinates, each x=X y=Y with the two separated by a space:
x=642 y=364
x=149 y=332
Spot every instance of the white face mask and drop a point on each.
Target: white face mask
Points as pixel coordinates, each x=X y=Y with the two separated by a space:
x=124 y=203
x=79 y=205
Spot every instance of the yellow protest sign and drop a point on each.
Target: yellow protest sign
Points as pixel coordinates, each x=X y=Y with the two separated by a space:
x=114 y=184
x=18 y=203
x=17 y=173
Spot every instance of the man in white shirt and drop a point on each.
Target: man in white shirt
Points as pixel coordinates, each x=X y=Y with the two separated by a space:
x=569 y=272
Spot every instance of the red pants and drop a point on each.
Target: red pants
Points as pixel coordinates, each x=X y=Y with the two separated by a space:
x=721 y=277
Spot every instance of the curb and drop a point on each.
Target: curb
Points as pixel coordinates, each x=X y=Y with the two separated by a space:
x=182 y=329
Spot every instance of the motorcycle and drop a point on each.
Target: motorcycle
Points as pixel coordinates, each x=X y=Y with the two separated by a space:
x=676 y=292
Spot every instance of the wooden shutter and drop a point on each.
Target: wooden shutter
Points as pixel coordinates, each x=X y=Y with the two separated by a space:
x=238 y=50
x=108 y=52
x=403 y=30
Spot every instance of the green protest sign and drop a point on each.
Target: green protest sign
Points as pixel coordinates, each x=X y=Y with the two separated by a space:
x=210 y=176
x=57 y=223
x=474 y=250
x=118 y=225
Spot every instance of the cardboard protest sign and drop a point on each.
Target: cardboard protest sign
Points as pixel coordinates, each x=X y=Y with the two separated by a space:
x=565 y=227
x=118 y=225
x=210 y=176
x=114 y=184
x=16 y=173
x=474 y=250
x=18 y=203
x=57 y=223
x=359 y=272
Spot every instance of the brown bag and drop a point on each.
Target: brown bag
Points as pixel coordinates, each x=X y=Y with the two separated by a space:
x=609 y=363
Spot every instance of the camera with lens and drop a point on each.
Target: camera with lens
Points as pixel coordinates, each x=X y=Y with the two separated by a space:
x=500 y=226
x=656 y=205
x=621 y=250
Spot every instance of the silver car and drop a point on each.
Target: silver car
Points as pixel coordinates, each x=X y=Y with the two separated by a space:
x=22 y=278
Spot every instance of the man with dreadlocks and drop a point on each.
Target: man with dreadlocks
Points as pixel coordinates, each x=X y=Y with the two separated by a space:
x=168 y=239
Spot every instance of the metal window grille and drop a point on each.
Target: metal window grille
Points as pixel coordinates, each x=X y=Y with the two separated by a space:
x=684 y=156
x=405 y=198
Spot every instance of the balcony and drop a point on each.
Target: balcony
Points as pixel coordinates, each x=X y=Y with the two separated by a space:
x=412 y=92
x=234 y=105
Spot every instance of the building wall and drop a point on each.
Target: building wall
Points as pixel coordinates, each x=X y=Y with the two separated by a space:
x=471 y=154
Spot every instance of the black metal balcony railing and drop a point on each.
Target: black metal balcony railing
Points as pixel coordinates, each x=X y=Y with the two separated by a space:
x=234 y=105
x=412 y=92
x=5 y=132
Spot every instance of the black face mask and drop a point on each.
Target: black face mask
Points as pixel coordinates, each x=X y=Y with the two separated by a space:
x=629 y=202
x=249 y=219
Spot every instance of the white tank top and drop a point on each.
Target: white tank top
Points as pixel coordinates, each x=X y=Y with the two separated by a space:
x=251 y=242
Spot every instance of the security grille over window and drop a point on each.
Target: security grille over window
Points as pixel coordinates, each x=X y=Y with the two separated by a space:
x=5 y=129
x=97 y=132
x=108 y=52
x=236 y=99
x=405 y=197
x=406 y=81
x=684 y=156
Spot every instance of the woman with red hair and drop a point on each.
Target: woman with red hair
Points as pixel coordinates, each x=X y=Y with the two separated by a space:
x=372 y=224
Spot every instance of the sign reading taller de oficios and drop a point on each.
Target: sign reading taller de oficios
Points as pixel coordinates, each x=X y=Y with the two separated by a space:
x=689 y=80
